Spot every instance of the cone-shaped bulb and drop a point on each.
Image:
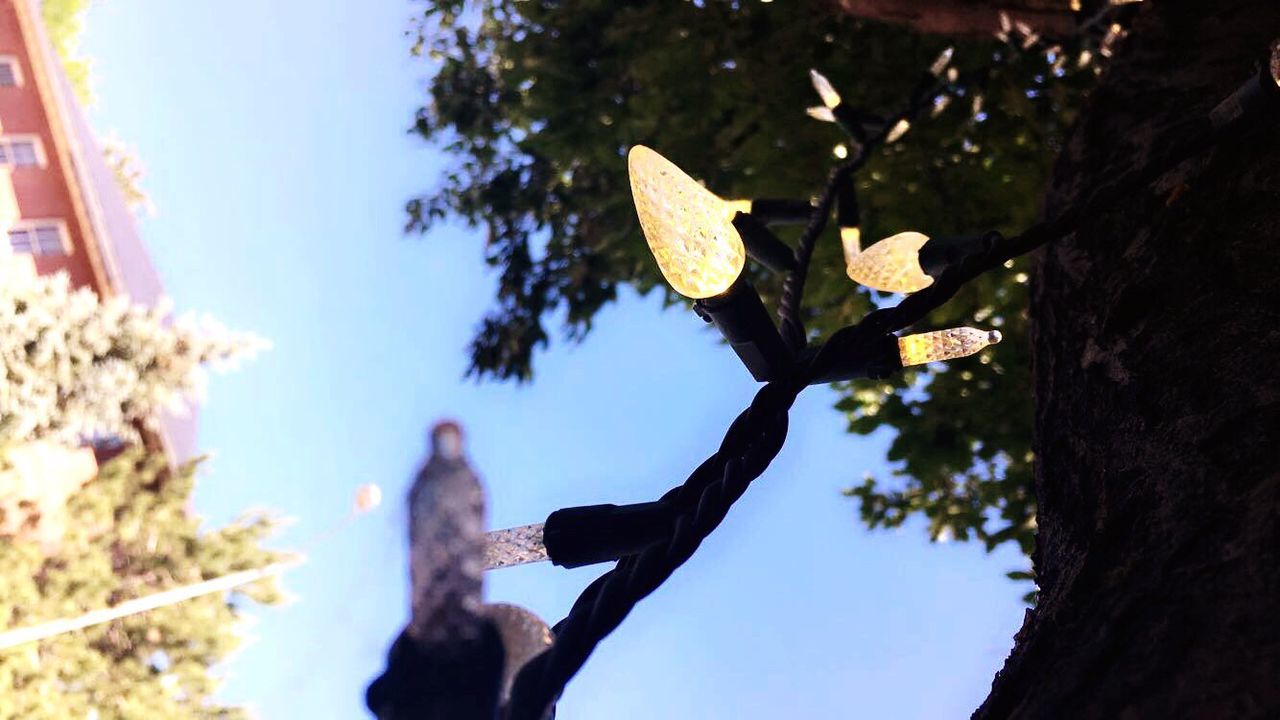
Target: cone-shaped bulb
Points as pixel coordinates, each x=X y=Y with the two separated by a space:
x=944 y=344
x=821 y=113
x=939 y=65
x=896 y=132
x=689 y=231
x=891 y=265
x=829 y=96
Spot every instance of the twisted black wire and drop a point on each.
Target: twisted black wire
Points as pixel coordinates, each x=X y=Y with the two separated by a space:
x=755 y=438
x=758 y=433
x=792 y=325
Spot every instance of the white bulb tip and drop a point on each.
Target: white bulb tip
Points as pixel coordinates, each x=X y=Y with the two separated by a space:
x=994 y=337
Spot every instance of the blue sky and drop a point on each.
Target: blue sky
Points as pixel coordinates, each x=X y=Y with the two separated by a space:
x=274 y=138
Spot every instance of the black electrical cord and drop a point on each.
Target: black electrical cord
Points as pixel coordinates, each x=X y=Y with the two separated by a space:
x=757 y=435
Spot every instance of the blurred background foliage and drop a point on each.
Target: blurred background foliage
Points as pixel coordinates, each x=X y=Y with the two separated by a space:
x=537 y=102
x=64 y=23
x=128 y=536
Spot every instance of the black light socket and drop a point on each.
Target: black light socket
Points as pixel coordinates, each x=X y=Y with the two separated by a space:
x=860 y=125
x=762 y=245
x=1259 y=95
x=781 y=211
x=848 y=213
x=592 y=534
x=939 y=253
x=743 y=321
x=877 y=359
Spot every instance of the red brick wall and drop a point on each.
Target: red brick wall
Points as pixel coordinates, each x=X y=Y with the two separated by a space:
x=42 y=192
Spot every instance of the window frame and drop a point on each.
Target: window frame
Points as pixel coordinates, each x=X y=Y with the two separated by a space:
x=12 y=61
x=37 y=146
x=32 y=227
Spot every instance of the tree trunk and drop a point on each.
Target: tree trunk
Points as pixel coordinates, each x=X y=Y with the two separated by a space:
x=965 y=17
x=1156 y=331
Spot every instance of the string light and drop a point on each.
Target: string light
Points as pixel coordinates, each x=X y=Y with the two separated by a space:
x=940 y=64
x=822 y=85
x=1273 y=66
x=851 y=241
x=368 y=497
x=701 y=254
x=1030 y=37
x=821 y=113
x=899 y=129
x=944 y=345
x=1006 y=27
x=891 y=265
x=1256 y=97
x=1114 y=33
x=700 y=242
x=736 y=206
x=514 y=546
x=691 y=236
x=849 y=218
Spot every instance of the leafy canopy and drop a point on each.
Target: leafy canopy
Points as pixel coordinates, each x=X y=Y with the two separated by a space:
x=129 y=534
x=64 y=22
x=537 y=102
x=76 y=368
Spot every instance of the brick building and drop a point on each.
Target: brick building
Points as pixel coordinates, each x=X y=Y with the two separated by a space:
x=61 y=210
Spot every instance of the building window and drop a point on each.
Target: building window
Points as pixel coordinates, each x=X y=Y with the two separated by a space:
x=39 y=237
x=10 y=71
x=21 y=150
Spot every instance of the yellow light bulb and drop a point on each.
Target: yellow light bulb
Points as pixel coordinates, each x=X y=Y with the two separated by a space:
x=899 y=129
x=891 y=265
x=690 y=234
x=829 y=96
x=1274 y=65
x=939 y=65
x=851 y=241
x=944 y=344
x=821 y=113
x=368 y=497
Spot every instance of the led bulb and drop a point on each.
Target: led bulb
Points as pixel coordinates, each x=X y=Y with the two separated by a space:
x=944 y=344
x=939 y=65
x=514 y=546
x=368 y=497
x=821 y=113
x=899 y=129
x=891 y=265
x=851 y=241
x=690 y=234
x=1274 y=64
x=829 y=96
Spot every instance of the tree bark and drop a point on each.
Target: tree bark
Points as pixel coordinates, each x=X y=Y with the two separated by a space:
x=965 y=17
x=1156 y=332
